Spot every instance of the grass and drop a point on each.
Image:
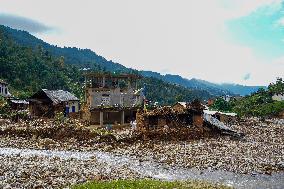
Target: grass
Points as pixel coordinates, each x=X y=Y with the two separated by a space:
x=147 y=184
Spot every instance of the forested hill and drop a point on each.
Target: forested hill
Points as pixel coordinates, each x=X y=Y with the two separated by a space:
x=85 y=58
x=29 y=69
x=213 y=88
x=72 y=55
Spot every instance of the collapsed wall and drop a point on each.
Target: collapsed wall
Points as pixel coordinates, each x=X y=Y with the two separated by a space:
x=186 y=120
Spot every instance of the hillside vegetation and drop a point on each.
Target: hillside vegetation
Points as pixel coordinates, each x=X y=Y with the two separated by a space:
x=85 y=58
x=28 y=69
x=259 y=104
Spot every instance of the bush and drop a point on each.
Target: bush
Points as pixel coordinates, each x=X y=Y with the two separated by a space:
x=221 y=105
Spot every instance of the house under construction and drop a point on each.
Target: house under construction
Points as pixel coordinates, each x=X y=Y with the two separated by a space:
x=110 y=98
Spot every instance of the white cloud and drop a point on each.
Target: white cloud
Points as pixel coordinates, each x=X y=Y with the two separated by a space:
x=280 y=22
x=183 y=37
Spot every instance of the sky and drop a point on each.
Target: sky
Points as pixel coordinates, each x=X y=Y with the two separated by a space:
x=222 y=41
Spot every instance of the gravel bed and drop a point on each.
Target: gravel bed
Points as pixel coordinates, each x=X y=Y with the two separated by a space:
x=260 y=151
x=52 y=163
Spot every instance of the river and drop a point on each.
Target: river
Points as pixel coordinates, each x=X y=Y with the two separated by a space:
x=157 y=170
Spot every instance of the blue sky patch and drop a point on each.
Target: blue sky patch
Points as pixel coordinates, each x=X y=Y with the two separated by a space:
x=261 y=30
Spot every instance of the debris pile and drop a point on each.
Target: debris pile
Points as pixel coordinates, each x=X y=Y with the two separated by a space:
x=215 y=124
x=261 y=150
x=181 y=121
x=52 y=129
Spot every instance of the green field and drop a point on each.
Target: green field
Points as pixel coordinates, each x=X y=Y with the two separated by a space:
x=147 y=184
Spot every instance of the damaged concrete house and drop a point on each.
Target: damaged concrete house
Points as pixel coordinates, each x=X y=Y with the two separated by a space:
x=46 y=103
x=110 y=98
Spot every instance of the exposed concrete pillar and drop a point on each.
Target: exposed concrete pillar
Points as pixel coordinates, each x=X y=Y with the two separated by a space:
x=122 y=117
x=101 y=118
x=129 y=83
x=104 y=81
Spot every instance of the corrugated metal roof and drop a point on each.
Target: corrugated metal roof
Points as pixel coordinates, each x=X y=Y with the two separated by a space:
x=58 y=96
x=20 y=101
x=211 y=112
x=182 y=103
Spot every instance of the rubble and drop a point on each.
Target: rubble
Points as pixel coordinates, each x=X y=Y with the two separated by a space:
x=181 y=122
x=215 y=124
x=52 y=129
x=42 y=169
x=261 y=150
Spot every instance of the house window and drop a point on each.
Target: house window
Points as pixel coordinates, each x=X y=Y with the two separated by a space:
x=6 y=90
x=73 y=109
x=105 y=99
x=0 y=89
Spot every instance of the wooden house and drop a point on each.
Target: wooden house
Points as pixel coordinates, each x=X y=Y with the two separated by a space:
x=46 y=103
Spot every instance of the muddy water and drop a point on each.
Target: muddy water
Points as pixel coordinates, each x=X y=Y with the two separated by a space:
x=158 y=171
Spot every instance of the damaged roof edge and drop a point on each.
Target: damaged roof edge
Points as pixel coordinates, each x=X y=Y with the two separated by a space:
x=58 y=96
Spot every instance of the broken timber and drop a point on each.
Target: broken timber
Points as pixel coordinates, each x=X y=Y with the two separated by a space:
x=215 y=124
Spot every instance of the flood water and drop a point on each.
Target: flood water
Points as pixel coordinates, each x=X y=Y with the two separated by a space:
x=157 y=170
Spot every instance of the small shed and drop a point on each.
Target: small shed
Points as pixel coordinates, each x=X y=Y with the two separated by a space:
x=46 y=103
x=281 y=115
x=17 y=104
x=179 y=106
x=210 y=102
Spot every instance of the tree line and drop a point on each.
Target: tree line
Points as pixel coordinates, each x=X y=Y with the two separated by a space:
x=259 y=104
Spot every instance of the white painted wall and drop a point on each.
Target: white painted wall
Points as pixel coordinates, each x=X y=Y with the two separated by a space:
x=3 y=88
x=278 y=97
x=126 y=98
x=73 y=103
x=226 y=98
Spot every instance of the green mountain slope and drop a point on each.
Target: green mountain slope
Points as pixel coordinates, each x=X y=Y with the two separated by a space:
x=85 y=58
x=72 y=55
x=27 y=69
x=212 y=88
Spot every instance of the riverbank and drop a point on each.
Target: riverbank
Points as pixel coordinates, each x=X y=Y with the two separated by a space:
x=260 y=151
x=255 y=160
x=28 y=168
